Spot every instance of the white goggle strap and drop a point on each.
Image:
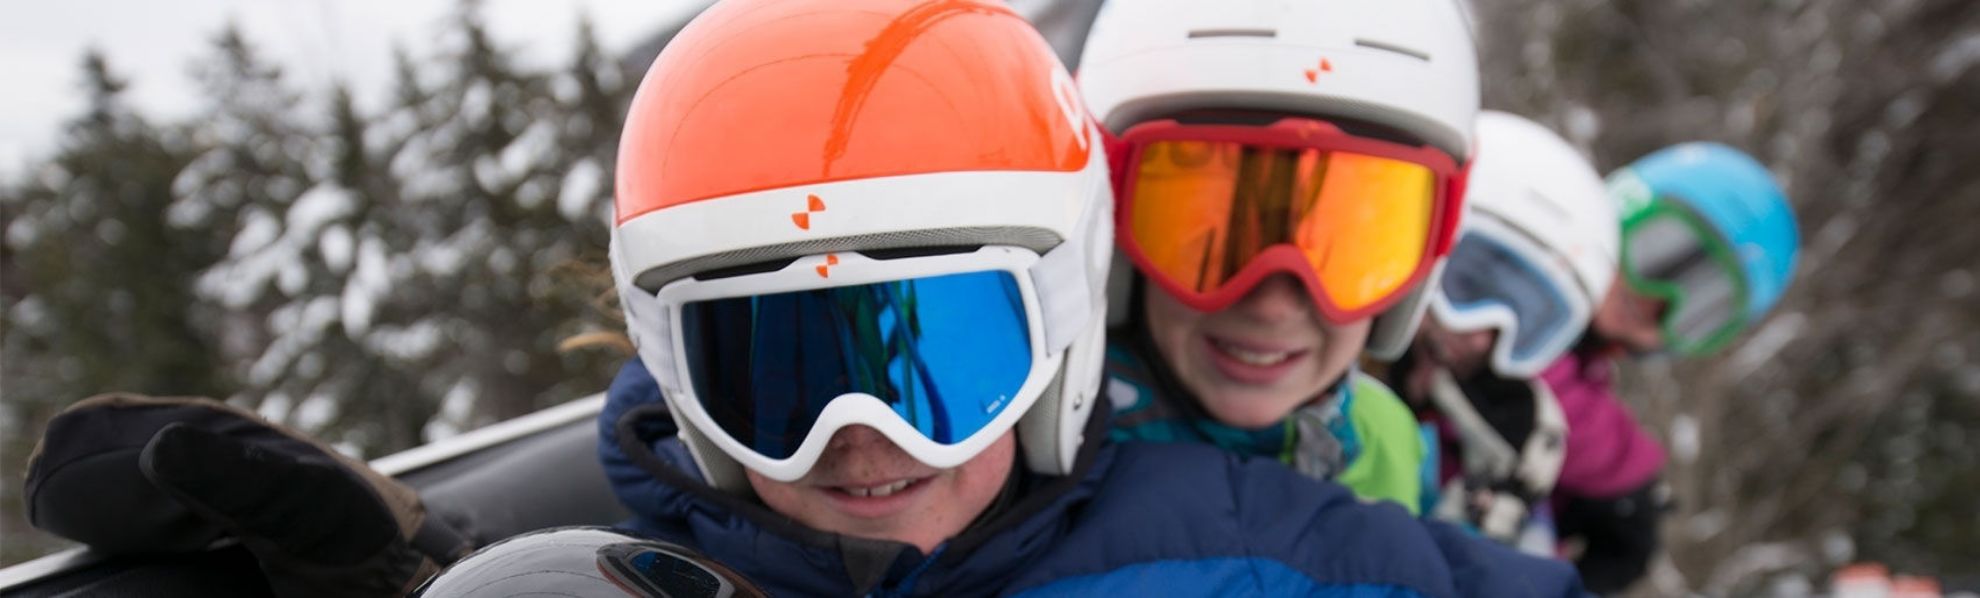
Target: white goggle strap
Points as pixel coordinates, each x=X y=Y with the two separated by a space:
x=1486 y=454
x=647 y=323
x=1546 y=447
x=1065 y=300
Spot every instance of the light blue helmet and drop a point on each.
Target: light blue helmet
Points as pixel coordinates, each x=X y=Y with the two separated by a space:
x=1729 y=192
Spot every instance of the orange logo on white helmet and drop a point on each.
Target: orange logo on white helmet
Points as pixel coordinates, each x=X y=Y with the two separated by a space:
x=1066 y=92
x=825 y=269
x=802 y=218
x=1313 y=74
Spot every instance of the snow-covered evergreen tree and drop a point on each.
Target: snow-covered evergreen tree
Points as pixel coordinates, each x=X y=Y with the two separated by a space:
x=381 y=276
x=98 y=288
x=407 y=281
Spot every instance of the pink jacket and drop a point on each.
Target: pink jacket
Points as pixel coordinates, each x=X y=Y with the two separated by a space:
x=1608 y=453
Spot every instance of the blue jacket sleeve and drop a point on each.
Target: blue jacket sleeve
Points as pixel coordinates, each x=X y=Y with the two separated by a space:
x=1481 y=567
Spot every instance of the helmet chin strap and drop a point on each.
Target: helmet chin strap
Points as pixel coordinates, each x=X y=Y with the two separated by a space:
x=1487 y=459
x=1500 y=480
x=1484 y=451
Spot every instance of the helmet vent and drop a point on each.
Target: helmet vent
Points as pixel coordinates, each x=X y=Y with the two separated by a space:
x=775 y=257
x=878 y=254
x=908 y=252
x=1553 y=208
x=1397 y=48
x=1203 y=33
x=745 y=269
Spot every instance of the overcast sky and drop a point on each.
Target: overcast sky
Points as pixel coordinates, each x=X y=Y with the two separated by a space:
x=152 y=44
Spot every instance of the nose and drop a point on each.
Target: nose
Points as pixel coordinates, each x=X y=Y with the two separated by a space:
x=1277 y=299
x=1477 y=342
x=1647 y=310
x=1455 y=348
x=861 y=453
x=852 y=437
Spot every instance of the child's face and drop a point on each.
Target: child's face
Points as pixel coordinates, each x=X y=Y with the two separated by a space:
x=934 y=505
x=1252 y=363
x=1463 y=354
x=1630 y=318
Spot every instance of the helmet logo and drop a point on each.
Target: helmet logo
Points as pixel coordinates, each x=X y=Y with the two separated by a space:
x=1313 y=74
x=1066 y=93
x=1629 y=192
x=802 y=218
x=825 y=269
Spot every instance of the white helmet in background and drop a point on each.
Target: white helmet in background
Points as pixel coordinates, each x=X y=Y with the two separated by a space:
x=1538 y=251
x=1403 y=71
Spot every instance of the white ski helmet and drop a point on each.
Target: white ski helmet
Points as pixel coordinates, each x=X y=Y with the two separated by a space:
x=1538 y=251
x=1408 y=67
x=779 y=149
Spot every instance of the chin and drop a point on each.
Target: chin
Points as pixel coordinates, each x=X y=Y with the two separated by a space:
x=1256 y=421
x=1254 y=407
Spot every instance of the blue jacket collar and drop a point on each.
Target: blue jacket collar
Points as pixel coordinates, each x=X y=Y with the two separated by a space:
x=655 y=476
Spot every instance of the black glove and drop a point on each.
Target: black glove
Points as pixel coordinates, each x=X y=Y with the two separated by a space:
x=1619 y=535
x=126 y=473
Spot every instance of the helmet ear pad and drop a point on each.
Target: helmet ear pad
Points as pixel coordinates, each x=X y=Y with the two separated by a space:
x=1395 y=327
x=1050 y=434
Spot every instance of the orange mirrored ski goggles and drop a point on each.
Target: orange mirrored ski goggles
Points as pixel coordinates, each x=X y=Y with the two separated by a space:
x=1208 y=211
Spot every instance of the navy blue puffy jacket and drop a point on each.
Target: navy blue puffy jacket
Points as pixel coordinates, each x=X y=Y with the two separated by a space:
x=1141 y=519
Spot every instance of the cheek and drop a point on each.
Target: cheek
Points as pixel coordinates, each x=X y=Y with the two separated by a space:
x=967 y=490
x=979 y=479
x=1610 y=318
x=1344 y=343
x=782 y=497
x=1169 y=322
x=1639 y=313
x=1472 y=348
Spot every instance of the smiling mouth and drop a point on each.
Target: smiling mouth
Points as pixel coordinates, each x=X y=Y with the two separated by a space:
x=879 y=490
x=887 y=489
x=1253 y=356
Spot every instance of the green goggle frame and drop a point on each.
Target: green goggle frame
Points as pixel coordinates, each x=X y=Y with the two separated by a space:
x=1645 y=215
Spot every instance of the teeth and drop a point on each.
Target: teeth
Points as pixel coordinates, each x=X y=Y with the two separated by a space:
x=876 y=491
x=1257 y=358
x=890 y=488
